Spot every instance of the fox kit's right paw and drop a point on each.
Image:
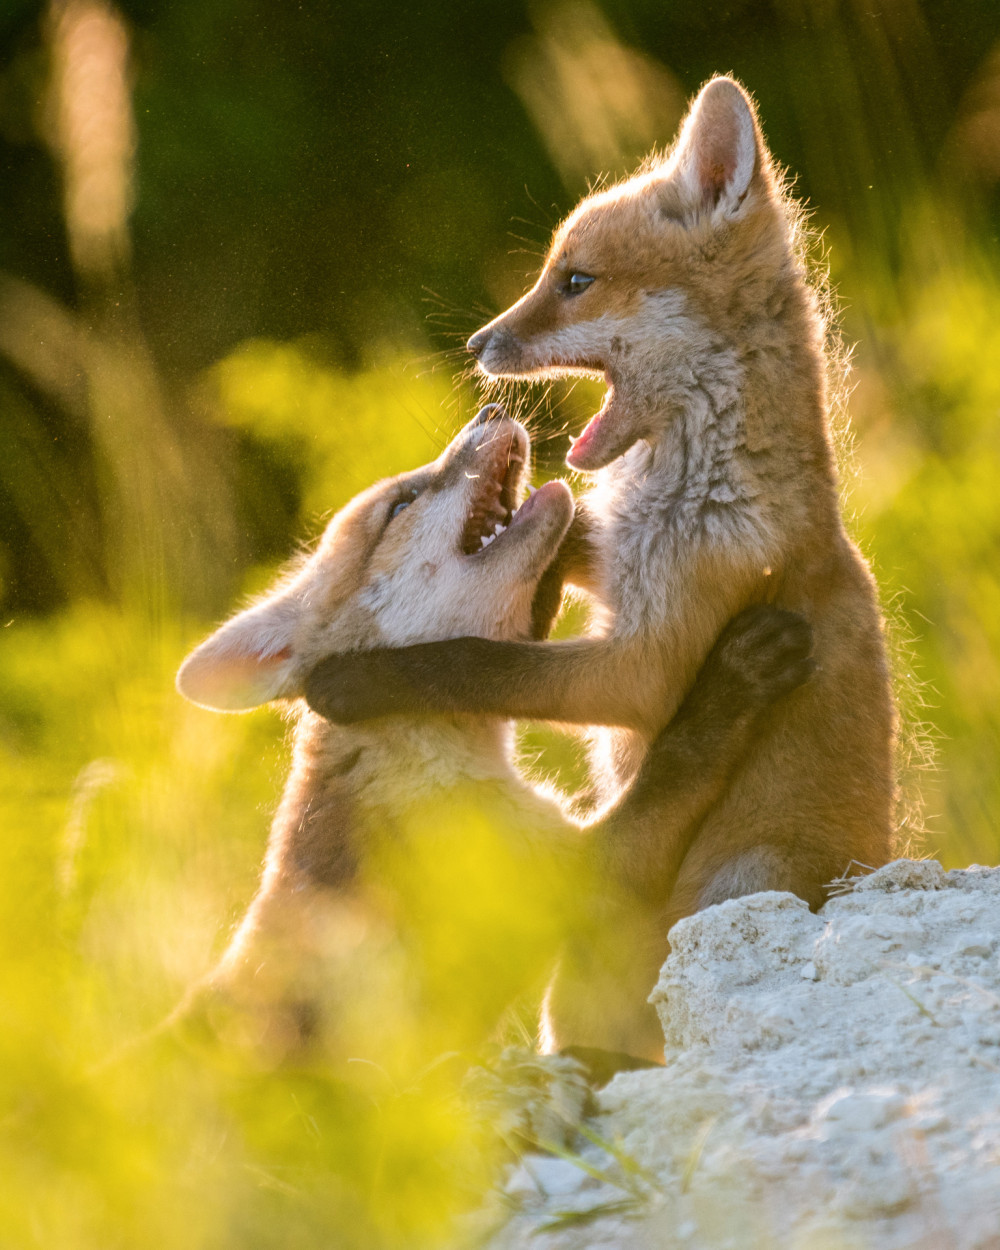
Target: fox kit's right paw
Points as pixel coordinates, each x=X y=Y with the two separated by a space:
x=765 y=653
x=354 y=686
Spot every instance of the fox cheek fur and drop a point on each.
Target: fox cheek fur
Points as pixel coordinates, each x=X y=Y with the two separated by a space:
x=672 y=261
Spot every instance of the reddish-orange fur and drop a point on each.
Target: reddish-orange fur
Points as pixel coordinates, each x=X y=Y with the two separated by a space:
x=816 y=792
x=716 y=489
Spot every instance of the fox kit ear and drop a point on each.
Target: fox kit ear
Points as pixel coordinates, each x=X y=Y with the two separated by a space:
x=718 y=152
x=246 y=662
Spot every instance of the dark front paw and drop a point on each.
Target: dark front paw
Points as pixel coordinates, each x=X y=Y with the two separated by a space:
x=765 y=653
x=352 y=687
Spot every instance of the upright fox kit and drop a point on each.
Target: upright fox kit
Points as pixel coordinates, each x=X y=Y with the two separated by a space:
x=416 y=557
x=685 y=287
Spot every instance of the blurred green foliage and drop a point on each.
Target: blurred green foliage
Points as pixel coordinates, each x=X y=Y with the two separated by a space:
x=320 y=206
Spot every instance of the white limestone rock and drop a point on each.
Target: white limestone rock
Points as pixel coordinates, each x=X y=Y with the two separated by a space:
x=831 y=1080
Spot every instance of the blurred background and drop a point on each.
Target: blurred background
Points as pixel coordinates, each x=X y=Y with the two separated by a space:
x=241 y=245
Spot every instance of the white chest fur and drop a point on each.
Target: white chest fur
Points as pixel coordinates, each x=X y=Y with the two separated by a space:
x=669 y=502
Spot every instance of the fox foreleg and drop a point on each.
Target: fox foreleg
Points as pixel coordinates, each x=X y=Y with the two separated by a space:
x=631 y=858
x=508 y=679
x=637 y=848
x=587 y=681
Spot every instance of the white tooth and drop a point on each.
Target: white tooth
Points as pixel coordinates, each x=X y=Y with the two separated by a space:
x=500 y=529
x=486 y=541
x=531 y=490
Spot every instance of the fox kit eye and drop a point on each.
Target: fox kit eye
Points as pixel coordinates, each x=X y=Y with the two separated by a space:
x=400 y=504
x=577 y=283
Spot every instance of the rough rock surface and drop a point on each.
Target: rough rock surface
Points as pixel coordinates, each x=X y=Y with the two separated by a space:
x=831 y=1081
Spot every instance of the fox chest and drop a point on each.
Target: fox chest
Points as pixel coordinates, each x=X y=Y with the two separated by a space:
x=668 y=559
x=652 y=565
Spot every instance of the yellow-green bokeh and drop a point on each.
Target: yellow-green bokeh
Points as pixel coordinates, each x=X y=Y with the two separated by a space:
x=133 y=825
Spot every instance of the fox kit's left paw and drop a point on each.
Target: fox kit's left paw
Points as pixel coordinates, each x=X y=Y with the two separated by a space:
x=354 y=686
x=765 y=653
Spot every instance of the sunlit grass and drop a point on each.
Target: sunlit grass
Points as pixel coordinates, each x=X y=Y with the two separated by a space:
x=135 y=829
x=135 y=826
x=929 y=516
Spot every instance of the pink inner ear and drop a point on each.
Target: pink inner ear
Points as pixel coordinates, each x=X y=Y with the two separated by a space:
x=713 y=174
x=232 y=682
x=717 y=154
x=243 y=681
x=723 y=149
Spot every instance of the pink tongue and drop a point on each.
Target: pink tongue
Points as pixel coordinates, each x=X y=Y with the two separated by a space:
x=535 y=500
x=580 y=447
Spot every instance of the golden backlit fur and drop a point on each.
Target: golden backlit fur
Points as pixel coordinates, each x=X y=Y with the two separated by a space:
x=716 y=489
x=377 y=579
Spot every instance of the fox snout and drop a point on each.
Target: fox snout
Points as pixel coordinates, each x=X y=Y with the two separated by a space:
x=479 y=341
x=490 y=412
x=497 y=350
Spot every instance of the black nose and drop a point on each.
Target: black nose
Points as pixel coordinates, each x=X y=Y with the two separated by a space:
x=477 y=344
x=492 y=412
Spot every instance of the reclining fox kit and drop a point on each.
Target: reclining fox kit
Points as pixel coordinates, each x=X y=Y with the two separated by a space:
x=714 y=489
x=407 y=561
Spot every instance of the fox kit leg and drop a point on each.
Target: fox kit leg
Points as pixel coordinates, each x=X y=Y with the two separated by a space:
x=612 y=956
x=796 y=829
x=640 y=843
x=618 y=681
x=583 y=681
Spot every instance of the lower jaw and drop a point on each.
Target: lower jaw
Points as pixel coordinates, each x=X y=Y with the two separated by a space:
x=603 y=439
x=578 y=456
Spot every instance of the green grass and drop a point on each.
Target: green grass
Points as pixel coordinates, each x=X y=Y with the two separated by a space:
x=134 y=824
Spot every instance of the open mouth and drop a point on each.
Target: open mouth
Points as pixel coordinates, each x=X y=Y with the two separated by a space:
x=596 y=418
x=499 y=466
x=596 y=442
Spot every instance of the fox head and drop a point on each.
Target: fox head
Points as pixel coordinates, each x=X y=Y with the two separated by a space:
x=437 y=553
x=642 y=272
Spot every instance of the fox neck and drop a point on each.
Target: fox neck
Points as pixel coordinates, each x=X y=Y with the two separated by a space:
x=739 y=442
x=347 y=781
x=699 y=459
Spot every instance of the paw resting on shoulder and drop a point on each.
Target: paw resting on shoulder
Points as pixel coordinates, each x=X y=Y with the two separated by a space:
x=354 y=686
x=763 y=654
